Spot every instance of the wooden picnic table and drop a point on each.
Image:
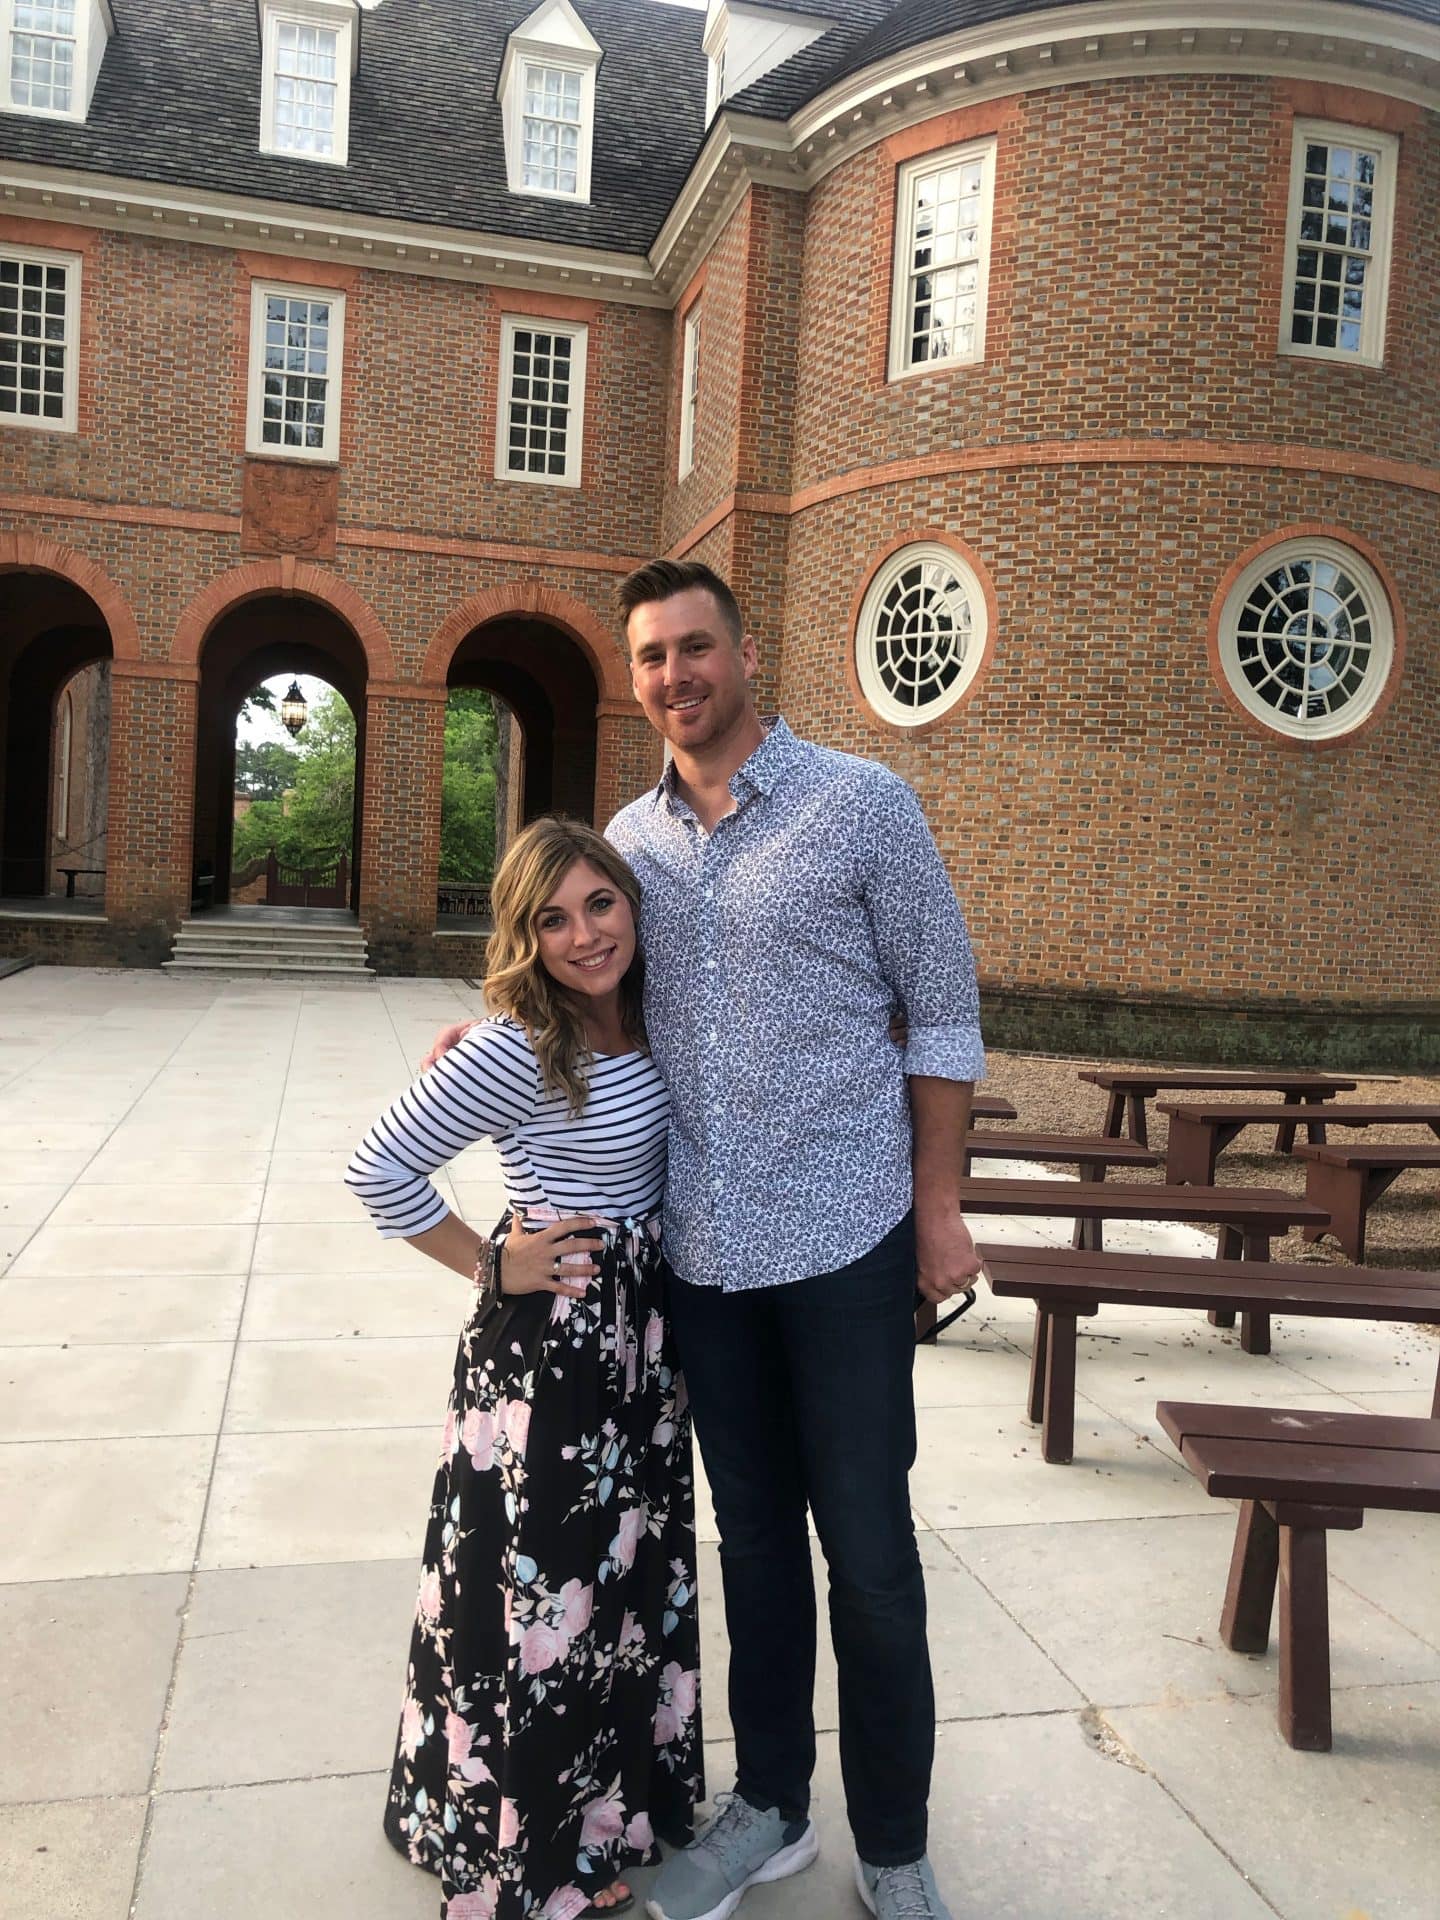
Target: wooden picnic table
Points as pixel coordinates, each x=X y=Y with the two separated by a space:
x=1066 y=1286
x=1299 y=1475
x=1200 y=1131
x=1247 y=1216
x=1130 y=1087
x=1350 y=1179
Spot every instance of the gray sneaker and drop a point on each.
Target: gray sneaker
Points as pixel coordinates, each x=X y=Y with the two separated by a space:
x=901 y=1893
x=739 y=1848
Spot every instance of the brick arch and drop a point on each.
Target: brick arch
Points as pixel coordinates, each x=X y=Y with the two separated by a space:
x=34 y=553
x=283 y=576
x=574 y=618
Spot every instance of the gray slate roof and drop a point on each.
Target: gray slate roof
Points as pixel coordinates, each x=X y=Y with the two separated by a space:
x=178 y=104
x=870 y=29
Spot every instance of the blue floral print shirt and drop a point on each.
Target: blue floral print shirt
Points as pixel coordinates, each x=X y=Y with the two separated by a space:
x=777 y=948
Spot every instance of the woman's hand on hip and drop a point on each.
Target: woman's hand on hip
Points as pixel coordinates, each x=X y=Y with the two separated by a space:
x=549 y=1261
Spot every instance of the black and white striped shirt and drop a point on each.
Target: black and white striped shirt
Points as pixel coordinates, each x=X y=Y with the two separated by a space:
x=610 y=1160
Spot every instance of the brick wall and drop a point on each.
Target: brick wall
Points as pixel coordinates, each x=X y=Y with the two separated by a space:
x=1114 y=825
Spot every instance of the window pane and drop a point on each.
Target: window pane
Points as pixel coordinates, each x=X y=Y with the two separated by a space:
x=33 y=348
x=295 y=371
x=1336 y=204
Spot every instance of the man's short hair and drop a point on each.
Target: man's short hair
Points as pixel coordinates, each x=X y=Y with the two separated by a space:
x=663 y=579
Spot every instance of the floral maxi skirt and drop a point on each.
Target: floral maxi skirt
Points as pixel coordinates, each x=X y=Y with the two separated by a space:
x=551 y=1721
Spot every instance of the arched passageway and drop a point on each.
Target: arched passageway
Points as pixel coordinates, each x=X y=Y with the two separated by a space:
x=52 y=635
x=546 y=681
x=272 y=634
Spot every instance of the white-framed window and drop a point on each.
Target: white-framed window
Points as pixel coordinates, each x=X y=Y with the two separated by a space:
x=942 y=259
x=921 y=634
x=690 y=390
x=305 y=84
x=44 y=42
x=547 y=101
x=717 y=79
x=1307 y=638
x=297 y=337
x=551 y=128
x=542 y=405
x=39 y=334
x=1337 y=243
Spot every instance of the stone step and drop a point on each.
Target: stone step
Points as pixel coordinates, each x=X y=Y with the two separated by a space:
x=228 y=933
x=272 y=964
x=290 y=949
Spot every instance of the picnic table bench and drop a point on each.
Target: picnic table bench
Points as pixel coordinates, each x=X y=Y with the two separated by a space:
x=1200 y=1132
x=991 y=1106
x=1065 y=1285
x=1090 y=1152
x=1246 y=1216
x=1346 y=1181
x=1298 y=1476
x=1130 y=1087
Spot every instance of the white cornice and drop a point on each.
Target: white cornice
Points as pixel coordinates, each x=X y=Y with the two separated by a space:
x=1324 y=40
x=308 y=233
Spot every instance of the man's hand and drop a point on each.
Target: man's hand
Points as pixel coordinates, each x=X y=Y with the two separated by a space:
x=444 y=1040
x=945 y=1253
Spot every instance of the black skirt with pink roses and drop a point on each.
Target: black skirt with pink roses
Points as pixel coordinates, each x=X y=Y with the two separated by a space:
x=551 y=1722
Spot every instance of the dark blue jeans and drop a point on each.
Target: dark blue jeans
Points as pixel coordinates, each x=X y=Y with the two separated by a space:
x=802 y=1395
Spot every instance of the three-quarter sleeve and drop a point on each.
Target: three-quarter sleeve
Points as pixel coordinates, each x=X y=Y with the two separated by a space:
x=921 y=936
x=486 y=1085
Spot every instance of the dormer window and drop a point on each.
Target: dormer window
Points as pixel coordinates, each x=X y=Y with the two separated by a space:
x=746 y=39
x=52 y=51
x=717 y=79
x=547 y=99
x=309 y=49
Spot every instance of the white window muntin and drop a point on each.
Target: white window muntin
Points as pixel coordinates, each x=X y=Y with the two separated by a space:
x=921 y=634
x=305 y=86
x=42 y=56
x=39 y=335
x=554 y=151
x=941 y=267
x=297 y=340
x=541 y=416
x=1307 y=639
x=690 y=391
x=1338 y=243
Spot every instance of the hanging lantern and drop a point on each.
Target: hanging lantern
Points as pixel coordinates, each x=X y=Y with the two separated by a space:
x=293 y=710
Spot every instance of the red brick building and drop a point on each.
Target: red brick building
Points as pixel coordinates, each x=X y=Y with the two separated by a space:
x=1058 y=385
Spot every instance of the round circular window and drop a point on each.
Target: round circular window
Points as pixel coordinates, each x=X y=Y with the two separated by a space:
x=1306 y=639
x=921 y=634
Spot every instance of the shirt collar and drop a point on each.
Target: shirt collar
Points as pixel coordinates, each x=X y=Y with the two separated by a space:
x=776 y=754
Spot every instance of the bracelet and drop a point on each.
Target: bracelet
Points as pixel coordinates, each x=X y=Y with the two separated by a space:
x=487 y=1265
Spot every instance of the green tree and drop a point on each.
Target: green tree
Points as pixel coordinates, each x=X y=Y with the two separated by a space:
x=318 y=820
x=265 y=770
x=467 y=808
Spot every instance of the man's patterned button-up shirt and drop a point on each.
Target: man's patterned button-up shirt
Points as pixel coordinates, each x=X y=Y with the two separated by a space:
x=777 y=947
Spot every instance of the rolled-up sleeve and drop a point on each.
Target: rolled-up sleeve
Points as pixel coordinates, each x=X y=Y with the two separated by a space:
x=486 y=1085
x=920 y=935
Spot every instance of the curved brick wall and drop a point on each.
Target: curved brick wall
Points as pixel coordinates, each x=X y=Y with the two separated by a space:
x=1114 y=825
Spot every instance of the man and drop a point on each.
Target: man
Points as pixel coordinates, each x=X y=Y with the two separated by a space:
x=792 y=900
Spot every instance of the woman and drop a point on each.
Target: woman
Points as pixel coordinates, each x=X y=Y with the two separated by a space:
x=550 y=1725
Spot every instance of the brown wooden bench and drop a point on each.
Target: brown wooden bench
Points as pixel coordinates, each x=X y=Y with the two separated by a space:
x=990 y=1106
x=1351 y=1179
x=1092 y=1153
x=1247 y=1217
x=1064 y=1285
x=1298 y=1476
x=1130 y=1087
x=1200 y=1132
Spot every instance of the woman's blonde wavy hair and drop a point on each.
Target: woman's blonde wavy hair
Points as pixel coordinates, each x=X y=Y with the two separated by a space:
x=515 y=978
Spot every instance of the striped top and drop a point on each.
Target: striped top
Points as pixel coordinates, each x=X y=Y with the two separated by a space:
x=610 y=1160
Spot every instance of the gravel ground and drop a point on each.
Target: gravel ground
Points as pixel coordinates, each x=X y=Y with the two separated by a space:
x=1403 y=1229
